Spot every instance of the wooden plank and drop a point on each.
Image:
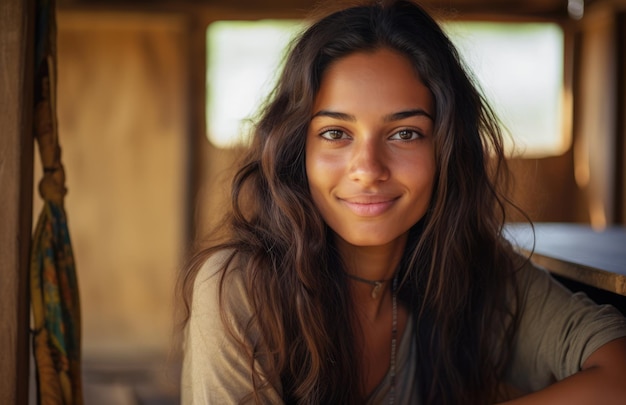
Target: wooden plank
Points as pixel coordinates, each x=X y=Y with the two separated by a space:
x=16 y=177
x=577 y=252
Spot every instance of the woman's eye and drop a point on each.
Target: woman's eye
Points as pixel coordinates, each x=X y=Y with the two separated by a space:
x=334 y=134
x=406 y=135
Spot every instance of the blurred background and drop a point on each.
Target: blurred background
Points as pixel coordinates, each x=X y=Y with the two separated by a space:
x=154 y=98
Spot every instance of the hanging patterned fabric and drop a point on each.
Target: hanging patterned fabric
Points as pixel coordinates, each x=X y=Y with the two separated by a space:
x=54 y=288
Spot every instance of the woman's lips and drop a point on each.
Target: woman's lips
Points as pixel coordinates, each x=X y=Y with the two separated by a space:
x=368 y=207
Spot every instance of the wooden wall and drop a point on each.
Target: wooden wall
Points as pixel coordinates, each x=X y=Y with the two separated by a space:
x=122 y=110
x=600 y=113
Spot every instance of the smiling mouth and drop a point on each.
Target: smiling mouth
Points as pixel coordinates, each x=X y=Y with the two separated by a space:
x=369 y=207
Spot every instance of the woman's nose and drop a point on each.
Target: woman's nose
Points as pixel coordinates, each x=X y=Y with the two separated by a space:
x=368 y=162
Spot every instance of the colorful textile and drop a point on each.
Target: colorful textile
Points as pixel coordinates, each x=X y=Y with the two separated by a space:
x=56 y=310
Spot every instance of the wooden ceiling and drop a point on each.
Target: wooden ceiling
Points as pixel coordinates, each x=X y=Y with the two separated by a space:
x=537 y=8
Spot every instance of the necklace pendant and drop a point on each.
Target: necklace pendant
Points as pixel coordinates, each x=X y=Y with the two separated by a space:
x=376 y=289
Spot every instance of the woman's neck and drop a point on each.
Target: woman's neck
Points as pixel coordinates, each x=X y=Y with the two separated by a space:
x=372 y=262
x=375 y=264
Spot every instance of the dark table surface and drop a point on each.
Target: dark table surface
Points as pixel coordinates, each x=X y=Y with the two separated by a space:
x=577 y=252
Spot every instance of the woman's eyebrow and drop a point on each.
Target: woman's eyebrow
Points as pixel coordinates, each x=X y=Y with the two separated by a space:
x=333 y=114
x=388 y=118
x=407 y=114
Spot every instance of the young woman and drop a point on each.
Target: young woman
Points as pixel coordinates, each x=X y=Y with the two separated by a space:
x=364 y=260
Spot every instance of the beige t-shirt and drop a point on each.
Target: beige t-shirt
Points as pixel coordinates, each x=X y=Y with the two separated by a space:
x=558 y=330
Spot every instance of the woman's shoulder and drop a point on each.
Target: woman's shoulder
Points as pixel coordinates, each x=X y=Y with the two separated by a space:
x=220 y=334
x=220 y=283
x=214 y=264
x=528 y=276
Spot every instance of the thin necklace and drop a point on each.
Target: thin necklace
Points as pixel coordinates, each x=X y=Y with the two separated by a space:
x=376 y=284
x=394 y=336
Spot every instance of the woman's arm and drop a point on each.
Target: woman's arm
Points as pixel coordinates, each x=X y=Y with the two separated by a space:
x=602 y=380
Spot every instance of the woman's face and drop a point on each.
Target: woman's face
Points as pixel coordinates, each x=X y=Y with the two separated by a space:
x=370 y=157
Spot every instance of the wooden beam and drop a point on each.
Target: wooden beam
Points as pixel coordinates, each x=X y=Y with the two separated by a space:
x=16 y=182
x=537 y=8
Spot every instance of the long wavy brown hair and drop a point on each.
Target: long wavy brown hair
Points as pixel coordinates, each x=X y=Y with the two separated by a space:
x=457 y=269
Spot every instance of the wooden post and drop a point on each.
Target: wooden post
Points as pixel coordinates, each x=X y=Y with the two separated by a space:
x=621 y=125
x=16 y=184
